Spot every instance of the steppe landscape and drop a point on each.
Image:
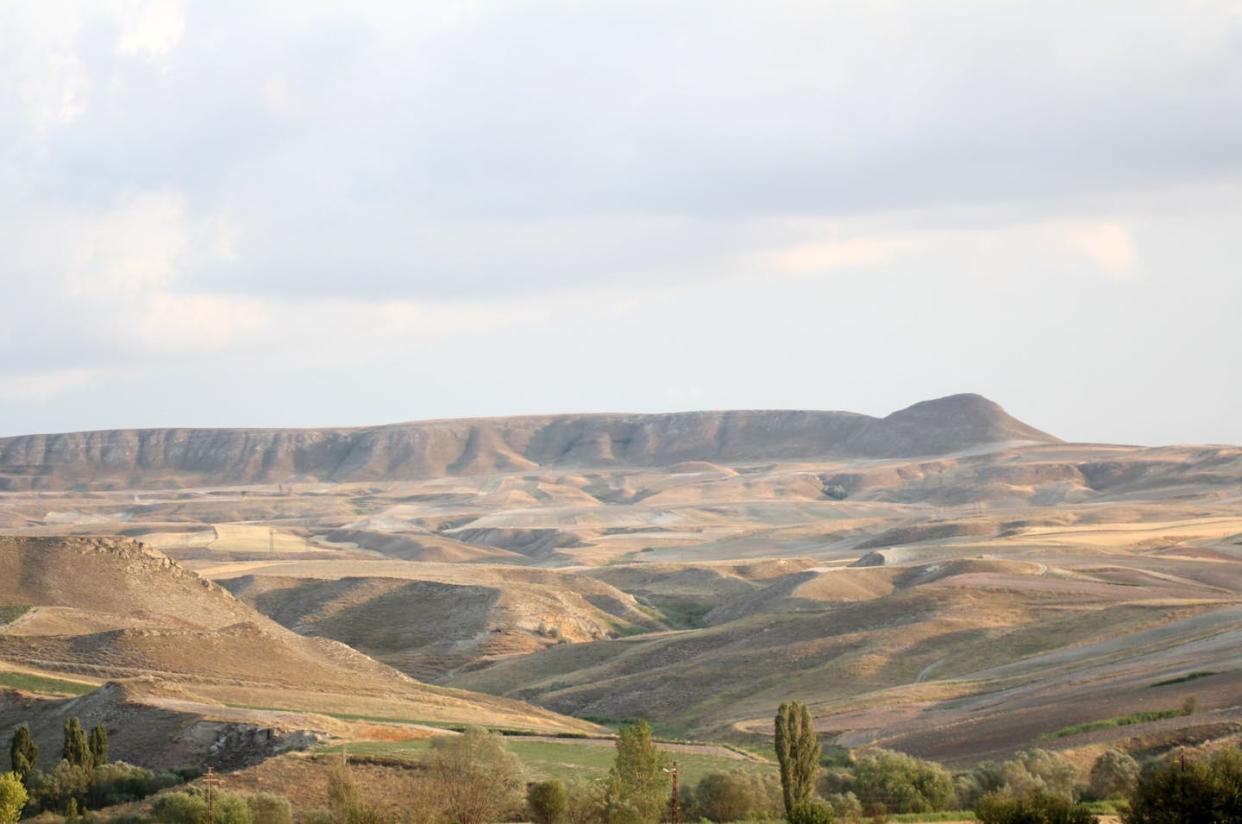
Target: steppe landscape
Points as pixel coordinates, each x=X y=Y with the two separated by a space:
x=946 y=581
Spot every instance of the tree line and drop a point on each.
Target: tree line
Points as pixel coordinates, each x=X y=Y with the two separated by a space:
x=473 y=778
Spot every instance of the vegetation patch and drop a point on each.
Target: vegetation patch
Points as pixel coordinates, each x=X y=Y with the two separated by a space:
x=1121 y=721
x=43 y=685
x=10 y=614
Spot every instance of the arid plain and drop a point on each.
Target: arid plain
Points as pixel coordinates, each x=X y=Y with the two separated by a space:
x=946 y=581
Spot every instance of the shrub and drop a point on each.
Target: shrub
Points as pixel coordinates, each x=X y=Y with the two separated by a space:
x=180 y=808
x=892 y=782
x=809 y=812
x=1113 y=775
x=546 y=801
x=584 y=803
x=1037 y=808
x=267 y=808
x=845 y=806
x=55 y=789
x=12 y=798
x=734 y=796
x=228 y=808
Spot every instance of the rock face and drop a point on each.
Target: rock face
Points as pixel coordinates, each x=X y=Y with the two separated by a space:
x=153 y=458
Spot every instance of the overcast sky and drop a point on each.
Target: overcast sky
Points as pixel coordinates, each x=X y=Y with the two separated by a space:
x=302 y=213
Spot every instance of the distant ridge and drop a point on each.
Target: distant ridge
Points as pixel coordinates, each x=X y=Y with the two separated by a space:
x=160 y=458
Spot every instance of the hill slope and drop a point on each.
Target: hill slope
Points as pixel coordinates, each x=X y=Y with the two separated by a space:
x=111 y=608
x=170 y=457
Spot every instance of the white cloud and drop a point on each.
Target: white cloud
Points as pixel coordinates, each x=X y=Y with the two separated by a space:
x=148 y=28
x=46 y=386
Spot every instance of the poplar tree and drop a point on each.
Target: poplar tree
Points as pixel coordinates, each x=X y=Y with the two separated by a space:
x=23 y=752
x=99 y=745
x=76 y=749
x=798 y=753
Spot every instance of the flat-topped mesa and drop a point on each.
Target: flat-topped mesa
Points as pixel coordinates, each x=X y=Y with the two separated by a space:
x=155 y=458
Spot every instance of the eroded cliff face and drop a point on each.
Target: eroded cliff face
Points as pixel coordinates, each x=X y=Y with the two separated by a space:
x=172 y=457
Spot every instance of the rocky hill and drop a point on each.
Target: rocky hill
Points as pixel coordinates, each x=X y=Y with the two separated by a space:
x=141 y=458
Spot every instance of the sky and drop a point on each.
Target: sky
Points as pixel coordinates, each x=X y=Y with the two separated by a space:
x=300 y=213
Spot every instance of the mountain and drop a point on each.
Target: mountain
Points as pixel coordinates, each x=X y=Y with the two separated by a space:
x=161 y=458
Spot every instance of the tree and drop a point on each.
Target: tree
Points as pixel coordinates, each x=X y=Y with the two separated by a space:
x=810 y=812
x=99 y=745
x=638 y=785
x=797 y=751
x=23 y=753
x=893 y=782
x=1113 y=775
x=1039 y=771
x=1189 y=788
x=76 y=750
x=12 y=798
x=547 y=801
x=476 y=776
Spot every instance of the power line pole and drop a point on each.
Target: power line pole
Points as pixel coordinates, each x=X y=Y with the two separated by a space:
x=676 y=771
x=210 y=780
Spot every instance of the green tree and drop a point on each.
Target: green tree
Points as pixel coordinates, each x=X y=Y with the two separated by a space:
x=893 y=782
x=475 y=775
x=638 y=783
x=1037 y=808
x=12 y=798
x=1039 y=771
x=1189 y=788
x=798 y=753
x=810 y=812
x=76 y=749
x=547 y=801
x=1113 y=775
x=23 y=753
x=99 y=745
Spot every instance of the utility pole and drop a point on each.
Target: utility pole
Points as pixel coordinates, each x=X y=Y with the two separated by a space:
x=210 y=780
x=676 y=771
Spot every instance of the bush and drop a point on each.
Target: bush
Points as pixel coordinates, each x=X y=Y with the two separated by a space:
x=845 y=806
x=892 y=782
x=267 y=808
x=734 y=796
x=547 y=801
x=231 y=809
x=120 y=783
x=1038 y=808
x=809 y=812
x=1114 y=775
x=180 y=808
x=1189 y=787
x=55 y=789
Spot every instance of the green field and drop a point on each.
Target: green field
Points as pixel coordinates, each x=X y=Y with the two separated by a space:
x=565 y=760
x=41 y=684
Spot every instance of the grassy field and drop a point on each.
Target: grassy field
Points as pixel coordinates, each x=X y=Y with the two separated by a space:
x=565 y=760
x=1120 y=721
x=10 y=614
x=40 y=684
